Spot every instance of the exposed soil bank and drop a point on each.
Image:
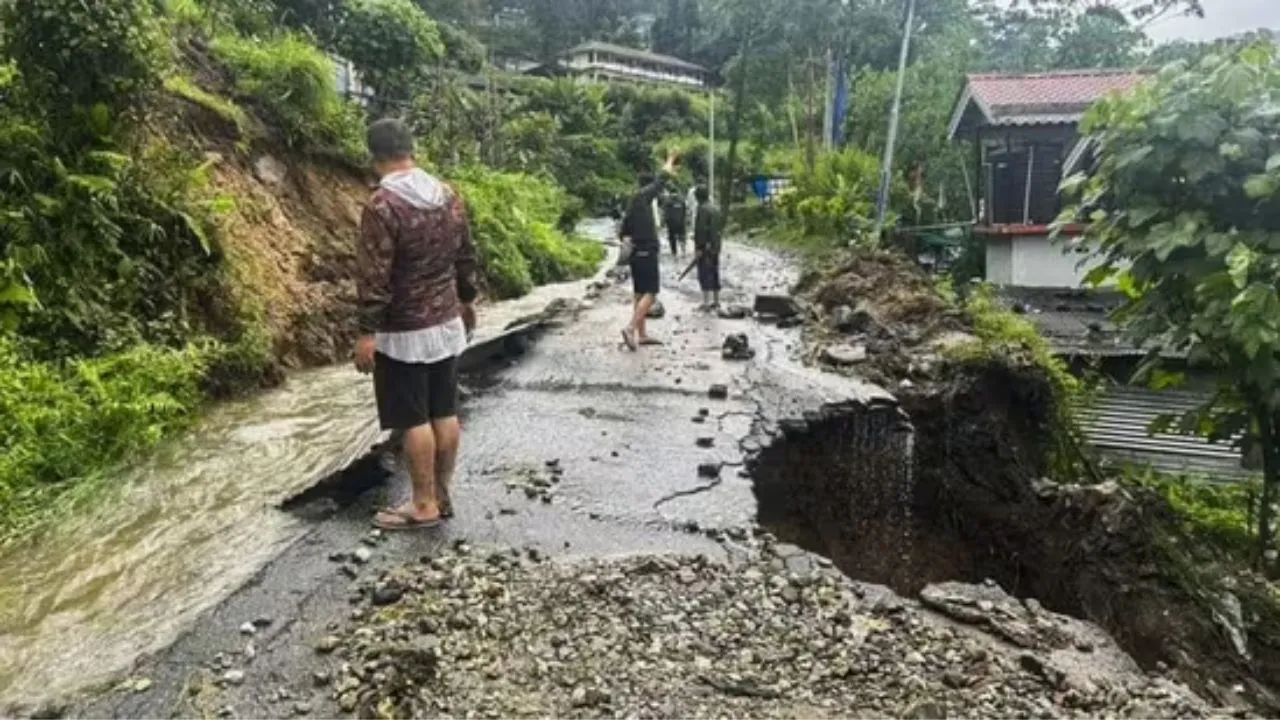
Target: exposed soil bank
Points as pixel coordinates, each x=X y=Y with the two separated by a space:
x=962 y=498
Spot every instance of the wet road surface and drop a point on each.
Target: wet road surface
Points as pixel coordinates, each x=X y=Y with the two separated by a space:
x=621 y=425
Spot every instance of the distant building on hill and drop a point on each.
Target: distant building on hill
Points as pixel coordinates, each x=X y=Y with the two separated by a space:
x=1024 y=131
x=607 y=62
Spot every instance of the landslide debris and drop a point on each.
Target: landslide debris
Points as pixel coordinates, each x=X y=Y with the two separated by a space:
x=777 y=633
x=879 y=317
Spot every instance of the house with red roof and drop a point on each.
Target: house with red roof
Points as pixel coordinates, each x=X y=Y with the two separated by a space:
x=1024 y=132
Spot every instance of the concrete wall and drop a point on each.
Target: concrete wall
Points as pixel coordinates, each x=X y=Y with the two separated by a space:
x=1000 y=260
x=1034 y=261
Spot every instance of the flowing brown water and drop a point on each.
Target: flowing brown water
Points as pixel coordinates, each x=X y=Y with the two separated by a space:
x=181 y=530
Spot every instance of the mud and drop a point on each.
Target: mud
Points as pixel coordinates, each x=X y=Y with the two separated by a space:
x=967 y=458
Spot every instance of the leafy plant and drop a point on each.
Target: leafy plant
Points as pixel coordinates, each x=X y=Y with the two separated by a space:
x=69 y=421
x=1183 y=206
x=391 y=42
x=77 y=54
x=296 y=83
x=835 y=199
x=515 y=222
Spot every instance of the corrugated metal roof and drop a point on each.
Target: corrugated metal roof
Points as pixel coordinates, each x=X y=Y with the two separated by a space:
x=1117 y=426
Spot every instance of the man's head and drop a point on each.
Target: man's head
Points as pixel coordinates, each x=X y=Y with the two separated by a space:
x=391 y=145
x=702 y=194
x=644 y=179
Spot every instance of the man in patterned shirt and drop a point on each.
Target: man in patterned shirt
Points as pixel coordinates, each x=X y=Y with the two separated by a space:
x=415 y=285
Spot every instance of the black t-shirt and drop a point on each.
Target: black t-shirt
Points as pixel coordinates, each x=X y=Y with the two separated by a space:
x=639 y=224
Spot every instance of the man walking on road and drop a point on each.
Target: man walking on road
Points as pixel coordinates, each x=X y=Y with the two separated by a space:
x=675 y=215
x=640 y=230
x=706 y=247
x=415 y=286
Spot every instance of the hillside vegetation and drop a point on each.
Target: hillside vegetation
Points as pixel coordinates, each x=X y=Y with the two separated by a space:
x=181 y=186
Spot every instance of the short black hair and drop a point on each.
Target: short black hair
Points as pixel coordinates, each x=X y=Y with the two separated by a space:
x=645 y=179
x=702 y=194
x=390 y=139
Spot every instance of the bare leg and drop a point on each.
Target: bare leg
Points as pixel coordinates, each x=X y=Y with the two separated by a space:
x=448 y=436
x=420 y=453
x=641 y=315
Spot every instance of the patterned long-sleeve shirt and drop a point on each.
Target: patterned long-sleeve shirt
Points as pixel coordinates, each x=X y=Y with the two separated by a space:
x=416 y=262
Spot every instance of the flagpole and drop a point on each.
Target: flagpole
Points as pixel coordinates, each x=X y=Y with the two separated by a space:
x=886 y=167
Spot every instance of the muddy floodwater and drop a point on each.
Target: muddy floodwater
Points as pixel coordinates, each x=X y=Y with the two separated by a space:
x=186 y=527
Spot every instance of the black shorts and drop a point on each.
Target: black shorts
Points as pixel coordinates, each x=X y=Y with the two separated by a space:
x=709 y=273
x=644 y=272
x=413 y=394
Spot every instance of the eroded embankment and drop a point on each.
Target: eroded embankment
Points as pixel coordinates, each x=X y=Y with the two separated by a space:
x=949 y=485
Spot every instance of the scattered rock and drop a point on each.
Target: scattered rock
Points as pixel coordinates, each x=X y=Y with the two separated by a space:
x=779 y=306
x=301 y=708
x=262 y=621
x=321 y=678
x=233 y=677
x=718 y=392
x=705 y=442
x=362 y=555
x=248 y=629
x=658 y=311
x=734 y=312
x=845 y=354
x=327 y=644
x=709 y=470
x=737 y=347
x=49 y=710
x=387 y=594
x=679 y=636
x=269 y=170
x=926 y=710
x=250 y=651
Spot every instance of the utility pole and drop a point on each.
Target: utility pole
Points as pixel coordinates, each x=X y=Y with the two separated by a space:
x=886 y=166
x=711 y=150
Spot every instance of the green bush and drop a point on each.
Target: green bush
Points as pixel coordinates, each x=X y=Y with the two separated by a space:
x=108 y=250
x=78 y=54
x=391 y=42
x=514 y=222
x=835 y=199
x=68 y=421
x=296 y=83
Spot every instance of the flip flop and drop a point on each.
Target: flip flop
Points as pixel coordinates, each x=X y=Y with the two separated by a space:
x=405 y=522
x=629 y=339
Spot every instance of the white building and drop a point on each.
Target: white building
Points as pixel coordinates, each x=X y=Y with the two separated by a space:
x=604 y=62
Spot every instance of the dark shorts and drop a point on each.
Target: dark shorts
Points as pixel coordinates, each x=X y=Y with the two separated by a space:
x=644 y=273
x=709 y=273
x=413 y=394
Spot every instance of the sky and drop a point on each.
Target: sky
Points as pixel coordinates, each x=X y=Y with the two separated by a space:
x=1222 y=18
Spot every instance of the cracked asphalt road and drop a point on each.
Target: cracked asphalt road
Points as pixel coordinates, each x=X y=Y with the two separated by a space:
x=629 y=431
